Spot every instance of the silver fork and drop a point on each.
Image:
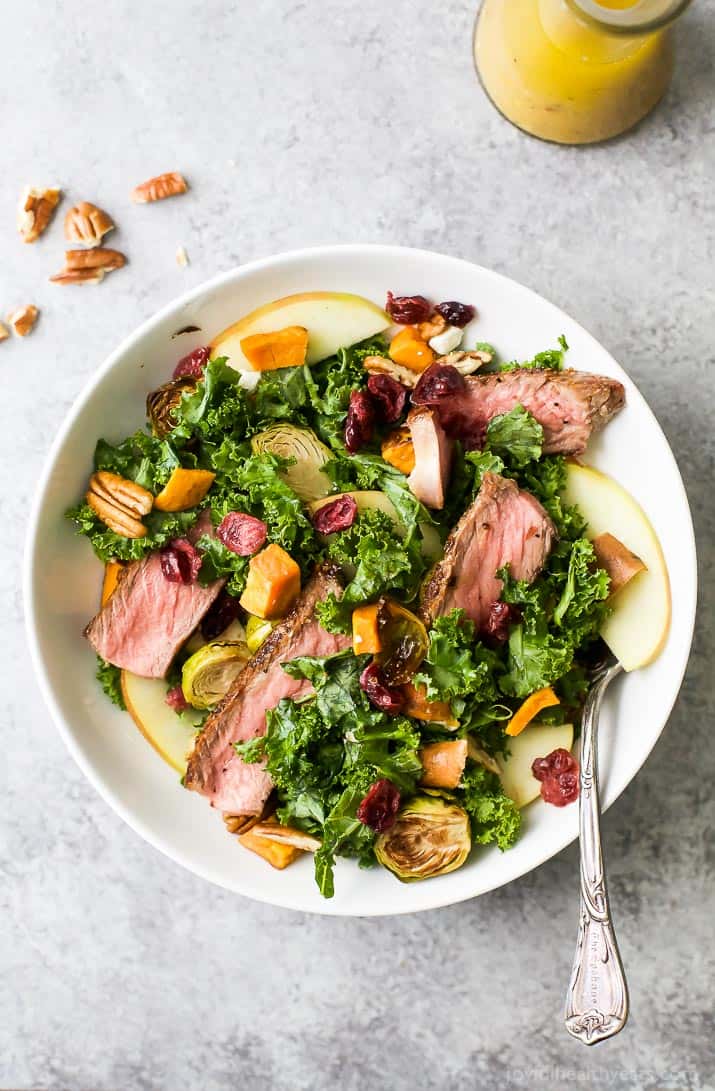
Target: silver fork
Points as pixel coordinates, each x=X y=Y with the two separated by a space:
x=597 y=997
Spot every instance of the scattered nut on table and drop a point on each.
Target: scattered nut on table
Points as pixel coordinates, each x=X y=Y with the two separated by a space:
x=88 y=266
x=158 y=189
x=23 y=319
x=4 y=332
x=35 y=211
x=86 y=225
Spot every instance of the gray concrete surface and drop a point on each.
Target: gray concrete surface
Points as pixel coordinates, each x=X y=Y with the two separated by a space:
x=303 y=123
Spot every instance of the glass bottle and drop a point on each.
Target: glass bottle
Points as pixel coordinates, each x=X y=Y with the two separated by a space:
x=575 y=71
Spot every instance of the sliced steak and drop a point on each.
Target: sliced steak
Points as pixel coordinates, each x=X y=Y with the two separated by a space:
x=503 y=526
x=148 y=618
x=214 y=769
x=569 y=405
x=433 y=457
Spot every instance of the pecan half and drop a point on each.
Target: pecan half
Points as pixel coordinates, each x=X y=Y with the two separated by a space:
x=98 y=258
x=23 y=319
x=4 y=332
x=86 y=225
x=87 y=266
x=78 y=276
x=119 y=503
x=382 y=365
x=159 y=188
x=35 y=211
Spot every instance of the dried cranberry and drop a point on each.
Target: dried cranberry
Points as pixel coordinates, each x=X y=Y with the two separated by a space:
x=360 y=421
x=241 y=533
x=194 y=364
x=379 y=808
x=437 y=382
x=558 y=761
x=558 y=773
x=560 y=790
x=389 y=397
x=386 y=698
x=175 y=699
x=456 y=314
x=496 y=627
x=338 y=515
x=541 y=768
x=406 y=310
x=225 y=609
x=180 y=561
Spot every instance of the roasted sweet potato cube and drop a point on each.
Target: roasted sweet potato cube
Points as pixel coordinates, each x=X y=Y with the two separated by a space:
x=281 y=348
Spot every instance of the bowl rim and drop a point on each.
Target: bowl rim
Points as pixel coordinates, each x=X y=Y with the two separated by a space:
x=99 y=783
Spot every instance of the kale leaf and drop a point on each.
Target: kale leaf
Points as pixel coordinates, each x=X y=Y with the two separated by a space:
x=494 y=817
x=515 y=437
x=110 y=679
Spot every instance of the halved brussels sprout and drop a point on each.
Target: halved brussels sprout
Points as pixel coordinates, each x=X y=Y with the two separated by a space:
x=431 y=836
x=404 y=642
x=258 y=629
x=160 y=403
x=305 y=476
x=208 y=674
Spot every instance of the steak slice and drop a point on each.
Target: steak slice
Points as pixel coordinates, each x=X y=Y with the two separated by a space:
x=148 y=618
x=504 y=525
x=569 y=405
x=433 y=457
x=214 y=769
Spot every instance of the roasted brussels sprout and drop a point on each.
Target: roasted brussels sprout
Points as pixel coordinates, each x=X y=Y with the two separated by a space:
x=430 y=836
x=404 y=643
x=208 y=674
x=258 y=629
x=305 y=476
x=161 y=402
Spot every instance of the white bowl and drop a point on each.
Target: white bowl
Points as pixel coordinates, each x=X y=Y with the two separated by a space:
x=62 y=577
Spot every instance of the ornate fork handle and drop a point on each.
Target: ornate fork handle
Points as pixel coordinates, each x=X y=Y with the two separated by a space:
x=597 y=998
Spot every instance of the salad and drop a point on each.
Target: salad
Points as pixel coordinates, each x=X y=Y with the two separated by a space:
x=355 y=579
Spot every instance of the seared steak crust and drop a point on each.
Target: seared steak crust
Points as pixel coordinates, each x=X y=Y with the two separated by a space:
x=503 y=526
x=570 y=405
x=214 y=769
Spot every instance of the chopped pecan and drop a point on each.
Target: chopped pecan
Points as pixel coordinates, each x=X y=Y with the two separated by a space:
x=159 y=188
x=382 y=365
x=434 y=325
x=242 y=823
x=466 y=362
x=86 y=225
x=23 y=319
x=88 y=266
x=4 y=332
x=119 y=503
x=35 y=211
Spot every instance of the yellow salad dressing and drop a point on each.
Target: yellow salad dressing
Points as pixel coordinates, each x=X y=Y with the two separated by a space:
x=564 y=77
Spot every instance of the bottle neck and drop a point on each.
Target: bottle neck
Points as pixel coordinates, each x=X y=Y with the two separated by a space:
x=628 y=17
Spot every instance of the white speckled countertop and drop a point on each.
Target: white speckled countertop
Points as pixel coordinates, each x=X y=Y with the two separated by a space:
x=302 y=123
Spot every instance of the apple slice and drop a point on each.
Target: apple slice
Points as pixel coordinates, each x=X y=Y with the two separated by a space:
x=536 y=741
x=374 y=500
x=333 y=320
x=172 y=736
x=637 y=629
